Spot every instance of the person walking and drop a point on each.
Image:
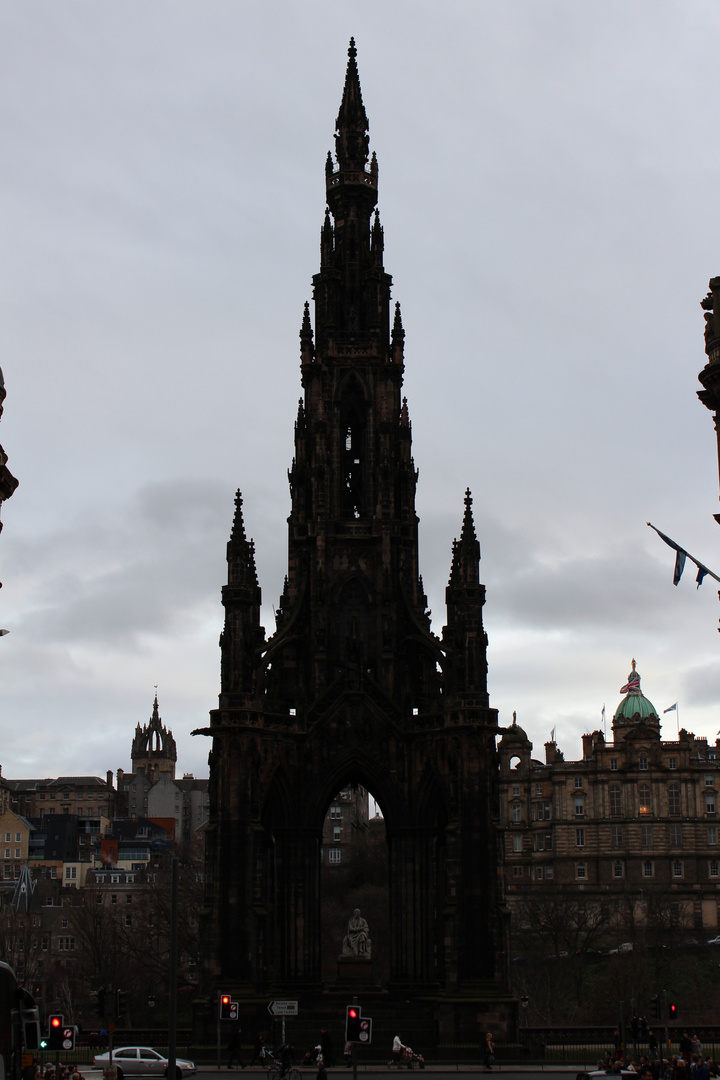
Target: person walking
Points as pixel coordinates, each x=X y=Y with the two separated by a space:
x=258 y=1046
x=326 y=1048
x=234 y=1048
x=488 y=1052
x=398 y=1050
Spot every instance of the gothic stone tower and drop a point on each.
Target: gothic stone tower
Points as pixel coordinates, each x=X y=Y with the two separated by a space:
x=353 y=686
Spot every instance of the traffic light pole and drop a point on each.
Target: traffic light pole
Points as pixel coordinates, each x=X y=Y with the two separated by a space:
x=667 y=1019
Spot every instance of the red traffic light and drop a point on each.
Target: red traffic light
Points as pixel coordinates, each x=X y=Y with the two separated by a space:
x=56 y=1022
x=352 y=1013
x=225 y=999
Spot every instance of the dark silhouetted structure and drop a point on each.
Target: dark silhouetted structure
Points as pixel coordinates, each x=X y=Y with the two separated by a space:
x=353 y=687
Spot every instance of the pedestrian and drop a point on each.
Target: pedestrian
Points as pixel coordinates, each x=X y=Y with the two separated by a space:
x=398 y=1050
x=258 y=1047
x=287 y=1057
x=347 y=1054
x=327 y=1048
x=488 y=1048
x=234 y=1048
x=321 y=1070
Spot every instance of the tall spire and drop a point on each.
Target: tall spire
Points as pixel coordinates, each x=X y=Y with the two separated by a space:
x=466 y=551
x=351 y=139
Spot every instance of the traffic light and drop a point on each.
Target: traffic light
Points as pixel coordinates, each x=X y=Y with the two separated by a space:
x=672 y=1011
x=635 y=1028
x=352 y=1023
x=655 y=1007
x=228 y=1008
x=55 y=1031
x=121 y=1001
x=31 y=1029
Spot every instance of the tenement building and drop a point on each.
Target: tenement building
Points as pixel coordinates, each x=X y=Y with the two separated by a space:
x=633 y=817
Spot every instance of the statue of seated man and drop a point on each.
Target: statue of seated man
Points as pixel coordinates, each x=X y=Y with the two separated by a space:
x=357 y=940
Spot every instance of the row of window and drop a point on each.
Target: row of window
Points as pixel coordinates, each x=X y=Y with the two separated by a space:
x=677 y=869
x=542 y=811
x=544 y=841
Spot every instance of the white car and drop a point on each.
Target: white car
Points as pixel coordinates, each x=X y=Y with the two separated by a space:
x=141 y=1061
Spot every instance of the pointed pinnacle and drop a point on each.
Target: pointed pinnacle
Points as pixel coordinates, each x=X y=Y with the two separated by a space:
x=468 y=525
x=351 y=141
x=306 y=327
x=238 y=526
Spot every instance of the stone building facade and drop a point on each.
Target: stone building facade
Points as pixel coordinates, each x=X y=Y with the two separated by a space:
x=636 y=816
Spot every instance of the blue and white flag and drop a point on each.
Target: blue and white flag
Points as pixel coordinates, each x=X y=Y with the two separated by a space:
x=673 y=708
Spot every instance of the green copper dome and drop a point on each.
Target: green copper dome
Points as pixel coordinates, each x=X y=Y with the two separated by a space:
x=634 y=706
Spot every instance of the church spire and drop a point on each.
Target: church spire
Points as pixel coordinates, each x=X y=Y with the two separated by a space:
x=351 y=139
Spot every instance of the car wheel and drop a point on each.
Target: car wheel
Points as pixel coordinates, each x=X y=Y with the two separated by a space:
x=118 y=1072
x=178 y=1072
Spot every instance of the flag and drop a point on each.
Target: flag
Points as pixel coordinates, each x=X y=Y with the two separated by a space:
x=673 y=708
x=603 y=714
x=633 y=683
x=680 y=558
x=552 y=734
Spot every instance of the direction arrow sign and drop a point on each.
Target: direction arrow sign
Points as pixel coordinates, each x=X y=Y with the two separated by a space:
x=283 y=1008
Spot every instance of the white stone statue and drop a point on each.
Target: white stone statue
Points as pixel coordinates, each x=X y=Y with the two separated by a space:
x=357 y=940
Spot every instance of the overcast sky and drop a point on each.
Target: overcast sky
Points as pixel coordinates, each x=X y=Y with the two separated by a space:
x=549 y=179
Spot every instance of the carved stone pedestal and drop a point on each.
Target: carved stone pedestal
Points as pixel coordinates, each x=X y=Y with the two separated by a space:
x=353 y=971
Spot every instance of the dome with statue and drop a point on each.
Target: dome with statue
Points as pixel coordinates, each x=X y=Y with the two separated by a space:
x=635 y=707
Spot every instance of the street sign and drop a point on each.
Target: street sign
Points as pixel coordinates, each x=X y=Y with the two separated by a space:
x=283 y=1008
x=68 y=1038
x=365 y=1034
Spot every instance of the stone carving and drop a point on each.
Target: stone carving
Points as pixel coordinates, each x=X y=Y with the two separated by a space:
x=357 y=940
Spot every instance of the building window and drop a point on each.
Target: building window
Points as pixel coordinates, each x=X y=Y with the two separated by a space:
x=44 y=944
x=66 y=944
x=8 y=837
x=613 y=764
x=677 y=868
x=70 y=873
x=538 y=789
x=7 y=852
x=579 y=838
x=538 y=873
x=713 y=868
x=674 y=799
x=516 y=792
x=672 y=763
x=648 y=869
x=644 y=799
x=579 y=806
x=617 y=869
x=64 y=924
x=643 y=763
x=335 y=811
x=516 y=813
x=113 y=898
x=581 y=871
x=708 y=783
x=616 y=837
x=710 y=803
x=548 y=873
x=578 y=781
x=615 y=801
x=336 y=833
x=128 y=920
x=18 y=837
x=676 y=839
x=646 y=836
x=548 y=841
x=335 y=855
x=712 y=834
x=517 y=843
x=517 y=871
